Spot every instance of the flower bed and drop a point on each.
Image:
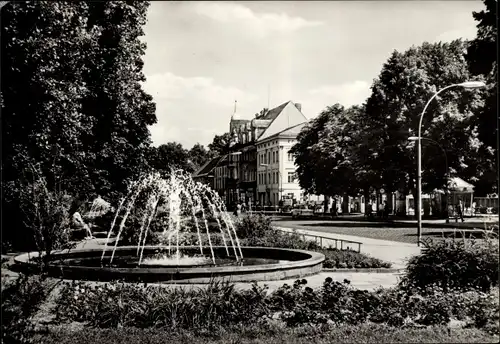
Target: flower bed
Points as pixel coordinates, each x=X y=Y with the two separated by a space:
x=219 y=305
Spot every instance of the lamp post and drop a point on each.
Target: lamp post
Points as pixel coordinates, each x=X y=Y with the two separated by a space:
x=280 y=180
x=467 y=84
x=235 y=175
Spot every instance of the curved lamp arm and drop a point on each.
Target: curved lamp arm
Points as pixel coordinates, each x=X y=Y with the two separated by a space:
x=427 y=105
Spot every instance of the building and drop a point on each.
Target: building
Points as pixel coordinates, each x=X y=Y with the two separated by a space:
x=258 y=168
x=276 y=177
x=205 y=173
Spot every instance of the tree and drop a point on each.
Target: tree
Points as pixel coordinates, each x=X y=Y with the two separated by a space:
x=171 y=156
x=220 y=144
x=323 y=152
x=481 y=57
x=407 y=81
x=199 y=156
x=72 y=101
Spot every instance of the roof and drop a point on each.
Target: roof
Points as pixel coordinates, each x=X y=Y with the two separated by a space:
x=273 y=113
x=291 y=131
x=459 y=184
x=208 y=167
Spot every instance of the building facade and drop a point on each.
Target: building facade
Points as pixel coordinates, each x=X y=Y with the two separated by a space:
x=258 y=169
x=276 y=177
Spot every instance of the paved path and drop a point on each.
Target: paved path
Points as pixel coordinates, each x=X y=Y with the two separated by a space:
x=394 y=252
x=359 y=280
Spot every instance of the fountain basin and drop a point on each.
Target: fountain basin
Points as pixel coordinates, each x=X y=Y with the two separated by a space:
x=262 y=264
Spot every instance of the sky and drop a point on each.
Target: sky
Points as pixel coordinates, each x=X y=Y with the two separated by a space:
x=202 y=56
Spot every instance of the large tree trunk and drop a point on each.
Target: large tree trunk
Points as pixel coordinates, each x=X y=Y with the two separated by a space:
x=326 y=204
x=345 y=204
x=389 y=201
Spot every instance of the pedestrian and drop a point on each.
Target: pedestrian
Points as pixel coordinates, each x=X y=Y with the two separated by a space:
x=459 y=210
x=386 y=210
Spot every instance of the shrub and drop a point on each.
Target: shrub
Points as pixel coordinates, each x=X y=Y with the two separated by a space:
x=221 y=306
x=116 y=304
x=251 y=226
x=256 y=230
x=21 y=299
x=335 y=258
x=458 y=264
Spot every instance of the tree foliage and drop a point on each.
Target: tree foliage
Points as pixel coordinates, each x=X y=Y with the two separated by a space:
x=199 y=155
x=220 y=144
x=406 y=83
x=349 y=150
x=323 y=154
x=482 y=59
x=170 y=156
x=72 y=100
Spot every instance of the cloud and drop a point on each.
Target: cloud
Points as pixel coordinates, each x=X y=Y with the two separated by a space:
x=170 y=87
x=191 y=109
x=347 y=94
x=259 y=24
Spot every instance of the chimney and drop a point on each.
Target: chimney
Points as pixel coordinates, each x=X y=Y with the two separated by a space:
x=298 y=106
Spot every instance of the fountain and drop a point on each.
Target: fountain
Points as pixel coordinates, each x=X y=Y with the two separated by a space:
x=187 y=207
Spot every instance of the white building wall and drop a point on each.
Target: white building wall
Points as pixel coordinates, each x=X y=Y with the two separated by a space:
x=276 y=178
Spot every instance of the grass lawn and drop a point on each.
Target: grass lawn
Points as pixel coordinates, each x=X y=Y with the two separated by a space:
x=368 y=333
x=370 y=230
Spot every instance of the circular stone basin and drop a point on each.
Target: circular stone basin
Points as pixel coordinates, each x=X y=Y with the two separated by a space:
x=258 y=264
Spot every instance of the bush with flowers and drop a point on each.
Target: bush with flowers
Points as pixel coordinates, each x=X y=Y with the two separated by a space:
x=138 y=305
x=455 y=265
x=21 y=299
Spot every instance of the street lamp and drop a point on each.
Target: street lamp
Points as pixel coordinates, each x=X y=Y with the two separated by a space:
x=280 y=179
x=467 y=84
x=235 y=175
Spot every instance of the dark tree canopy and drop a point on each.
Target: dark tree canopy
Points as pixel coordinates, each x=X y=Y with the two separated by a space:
x=407 y=81
x=199 y=156
x=72 y=100
x=220 y=144
x=323 y=152
x=482 y=59
x=170 y=156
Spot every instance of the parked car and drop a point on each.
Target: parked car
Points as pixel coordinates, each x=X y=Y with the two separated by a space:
x=302 y=211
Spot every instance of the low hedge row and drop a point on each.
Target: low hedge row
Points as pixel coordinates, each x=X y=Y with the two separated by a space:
x=115 y=305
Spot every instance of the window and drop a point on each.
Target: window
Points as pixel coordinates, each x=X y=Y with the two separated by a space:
x=274 y=157
x=291 y=177
x=277 y=156
x=268 y=157
x=269 y=177
x=274 y=178
x=290 y=157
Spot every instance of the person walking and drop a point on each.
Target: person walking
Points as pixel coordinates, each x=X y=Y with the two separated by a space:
x=459 y=210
